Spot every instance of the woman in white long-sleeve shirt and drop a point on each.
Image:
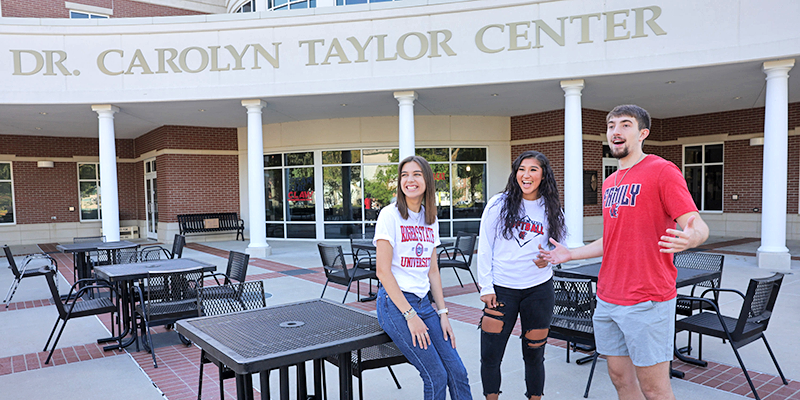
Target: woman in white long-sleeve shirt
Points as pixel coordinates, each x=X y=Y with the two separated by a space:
x=514 y=279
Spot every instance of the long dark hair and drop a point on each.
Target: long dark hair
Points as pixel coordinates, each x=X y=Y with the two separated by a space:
x=428 y=200
x=548 y=190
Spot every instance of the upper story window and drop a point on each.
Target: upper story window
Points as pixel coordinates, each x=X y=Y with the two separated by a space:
x=290 y=4
x=350 y=2
x=6 y=194
x=702 y=168
x=247 y=7
x=85 y=15
x=89 y=191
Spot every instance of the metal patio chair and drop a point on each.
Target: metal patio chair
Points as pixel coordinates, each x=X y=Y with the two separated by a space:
x=459 y=256
x=27 y=270
x=336 y=270
x=572 y=317
x=178 y=243
x=697 y=260
x=378 y=356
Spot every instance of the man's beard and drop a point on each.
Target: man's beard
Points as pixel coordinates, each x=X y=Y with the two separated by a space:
x=621 y=153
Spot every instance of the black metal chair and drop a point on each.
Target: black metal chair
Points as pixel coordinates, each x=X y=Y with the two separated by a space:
x=178 y=243
x=459 y=256
x=236 y=269
x=78 y=305
x=91 y=256
x=216 y=300
x=572 y=316
x=365 y=259
x=169 y=297
x=697 y=260
x=753 y=320
x=336 y=270
x=379 y=356
x=27 y=270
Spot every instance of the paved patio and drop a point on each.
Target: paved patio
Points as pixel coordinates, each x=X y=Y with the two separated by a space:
x=81 y=369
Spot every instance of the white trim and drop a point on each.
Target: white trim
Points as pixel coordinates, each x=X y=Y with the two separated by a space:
x=703 y=164
x=88 y=9
x=97 y=181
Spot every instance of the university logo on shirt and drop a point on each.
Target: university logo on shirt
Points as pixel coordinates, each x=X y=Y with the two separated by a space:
x=526 y=230
x=620 y=196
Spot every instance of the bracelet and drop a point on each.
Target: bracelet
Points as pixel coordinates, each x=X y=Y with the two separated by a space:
x=409 y=314
x=442 y=311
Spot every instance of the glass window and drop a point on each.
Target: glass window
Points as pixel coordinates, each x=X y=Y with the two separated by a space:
x=469 y=190
x=381 y=156
x=273 y=185
x=306 y=158
x=433 y=155
x=342 y=193
x=703 y=171
x=469 y=154
x=273 y=160
x=441 y=177
x=380 y=188
x=6 y=194
x=341 y=157
x=89 y=191
x=85 y=15
x=249 y=6
x=300 y=194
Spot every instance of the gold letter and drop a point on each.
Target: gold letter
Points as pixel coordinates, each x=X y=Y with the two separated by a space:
x=270 y=59
x=339 y=53
x=101 y=62
x=382 y=49
x=237 y=57
x=435 y=43
x=215 y=60
x=513 y=36
x=18 y=62
x=138 y=61
x=48 y=55
x=161 y=61
x=479 y=39
x=584 y=25
x=611 y=25
x=401 y=46
x=639 y=12
x=203 y=59
x=312 y=56
x=359 y=48
x=541 y=26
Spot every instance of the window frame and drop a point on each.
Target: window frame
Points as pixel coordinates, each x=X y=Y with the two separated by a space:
x=89 y=15
x=703 y=164
x=99 y=198
x=13 y=196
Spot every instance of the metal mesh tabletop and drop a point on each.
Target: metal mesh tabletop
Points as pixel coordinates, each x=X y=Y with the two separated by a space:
x=92 y=246
x=282 y=335
x=133 y=271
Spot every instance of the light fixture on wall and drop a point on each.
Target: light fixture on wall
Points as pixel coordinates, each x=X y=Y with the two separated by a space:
x=44 y=164
x=757 y=141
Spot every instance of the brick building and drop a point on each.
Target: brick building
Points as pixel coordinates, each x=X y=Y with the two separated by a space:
x=300 y=102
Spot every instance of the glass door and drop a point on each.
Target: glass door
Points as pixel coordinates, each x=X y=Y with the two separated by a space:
x=151 y=198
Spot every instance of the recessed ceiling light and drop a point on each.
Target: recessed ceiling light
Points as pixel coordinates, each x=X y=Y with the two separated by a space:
x=669 y=82
x=201 y=110
x=495 y=95
x=343 y=105
x=737 y=98
x=43 y=113
x=38 y=129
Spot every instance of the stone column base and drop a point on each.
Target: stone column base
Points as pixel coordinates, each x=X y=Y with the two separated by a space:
x=259 y=252
x=781 y=261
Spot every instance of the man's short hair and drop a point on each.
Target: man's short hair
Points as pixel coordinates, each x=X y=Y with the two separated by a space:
x=629 y=110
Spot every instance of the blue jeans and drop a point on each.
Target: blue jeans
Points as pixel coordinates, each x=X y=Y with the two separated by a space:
x=440 y=363
x=535 y=309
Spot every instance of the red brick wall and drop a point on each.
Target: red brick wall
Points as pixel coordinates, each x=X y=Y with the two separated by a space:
x=41 y=193
x=56 y=8
x=51 y=146
x=197 y=184
x=187 y=137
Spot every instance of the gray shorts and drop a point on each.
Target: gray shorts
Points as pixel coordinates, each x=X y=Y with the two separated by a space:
x=644 y=332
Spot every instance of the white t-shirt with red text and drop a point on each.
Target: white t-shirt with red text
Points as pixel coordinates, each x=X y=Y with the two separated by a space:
x=413 y=242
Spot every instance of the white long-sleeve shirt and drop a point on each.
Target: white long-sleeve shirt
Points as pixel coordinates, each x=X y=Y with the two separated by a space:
x=510 y=262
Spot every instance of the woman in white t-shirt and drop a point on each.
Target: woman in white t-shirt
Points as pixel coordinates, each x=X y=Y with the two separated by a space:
x=513 y=277
x=406 y=237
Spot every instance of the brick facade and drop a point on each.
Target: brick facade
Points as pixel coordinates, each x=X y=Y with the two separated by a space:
x=189 y=183
x=57 y=9
x=743 y=163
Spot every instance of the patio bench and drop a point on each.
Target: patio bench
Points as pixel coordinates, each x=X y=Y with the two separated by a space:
x=211 y=223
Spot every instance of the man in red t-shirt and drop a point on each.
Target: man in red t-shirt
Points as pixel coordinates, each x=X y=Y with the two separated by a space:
x=634 y=319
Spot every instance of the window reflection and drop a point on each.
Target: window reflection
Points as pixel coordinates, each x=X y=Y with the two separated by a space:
x=469 y=190
x=300 y=194
x=342 y=193
x=380 y=188
x=273 y=196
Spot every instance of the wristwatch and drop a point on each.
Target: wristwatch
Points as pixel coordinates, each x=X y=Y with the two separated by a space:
x=442 y=311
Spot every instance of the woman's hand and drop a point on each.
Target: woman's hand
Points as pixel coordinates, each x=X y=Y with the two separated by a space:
x=447 y=330
x=419 y=332
x=490 y=300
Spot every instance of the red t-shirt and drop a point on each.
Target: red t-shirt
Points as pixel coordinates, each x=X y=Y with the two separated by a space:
x=637 y=211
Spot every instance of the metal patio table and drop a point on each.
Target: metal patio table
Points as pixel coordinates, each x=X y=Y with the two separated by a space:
x=125 y=275
x=284 y=335
x=686 y=277
x=79 y=251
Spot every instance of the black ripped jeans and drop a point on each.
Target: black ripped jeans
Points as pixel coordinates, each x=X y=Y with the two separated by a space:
x=535 y=308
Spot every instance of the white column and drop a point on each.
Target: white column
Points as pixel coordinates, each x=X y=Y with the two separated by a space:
x=109 y=194
x=573 y=162
x=406 y=104
x=326 y=3
x=258 y=246
x=261 y=5
x=773 y=253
